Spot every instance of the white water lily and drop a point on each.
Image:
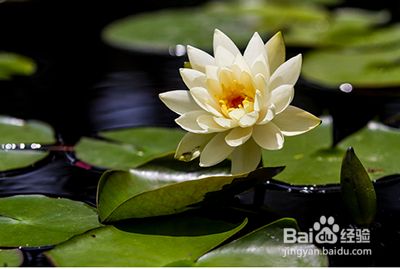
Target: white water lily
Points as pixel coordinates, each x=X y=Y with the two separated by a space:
x=237 y=104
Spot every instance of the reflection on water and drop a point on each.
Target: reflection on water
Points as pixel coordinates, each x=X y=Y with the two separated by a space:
x=126 y=99
x=56 y=178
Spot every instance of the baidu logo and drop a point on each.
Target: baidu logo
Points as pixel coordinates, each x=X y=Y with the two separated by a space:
x=326 y=231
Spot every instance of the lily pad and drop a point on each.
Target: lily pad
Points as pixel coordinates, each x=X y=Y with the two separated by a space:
x=381 y=38
x=17 y=134
x=128 y=148
x=236 y=18
x=11 y=257
x=362 y=68
x=36 y=220
x=164 y=186
x=173 y=241
x=310 y=160
x=344 y=27
x=12 y=64
x=265 y=248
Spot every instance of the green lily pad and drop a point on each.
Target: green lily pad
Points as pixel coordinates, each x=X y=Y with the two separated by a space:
x=173 y=241
x=128 y=148
x=236 y=18
x=362 y=68
x=265 y=248
x=309 y=159
x=11 y=257
x=164 y=186
x=36 y=220
x=381 y=38
x=12 y=64
x=344 y=27
x=20 y=134
x=322 y=2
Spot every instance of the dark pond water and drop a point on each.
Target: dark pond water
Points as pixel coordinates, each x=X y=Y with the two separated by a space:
x=83 y=86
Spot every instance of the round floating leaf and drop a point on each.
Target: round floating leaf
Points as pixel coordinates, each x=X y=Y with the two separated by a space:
x=11 y=257
x=344 y=27
x=164 y=186
x=265 y=248
x=174 y=241
x=128 y=148
x=361 y=68
x=235 y=18
x=309 y=159
x=14 y=130
x=36 y=220
x=12 y=64
x=380 y=38
x=17 y=133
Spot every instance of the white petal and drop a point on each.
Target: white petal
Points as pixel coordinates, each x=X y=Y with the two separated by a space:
x=236 y=114
x=193 y=78
x=220 y=39
x=260 y=66
x=213 y=84
x=287 y=73
x=214 y=87
x=295 y=121
x=238 y=136
x=188 y=121
x=207 y=123
x=203 y=98
x=248 y=119
x=258 y=101
x=255 y=49
x=223 y=57
x=215 y=151
x=276 y=51
x=241 y=64
x=260 y=83
x=212 y=72
x=269 y=115
x=199 y=59
x=191 y=145
x=245 y=158
x=226 y=123
x=179 y=101
x=268 y=136
x=281 y=97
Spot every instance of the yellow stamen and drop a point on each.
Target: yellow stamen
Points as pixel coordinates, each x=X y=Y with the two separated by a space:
x=234 y=96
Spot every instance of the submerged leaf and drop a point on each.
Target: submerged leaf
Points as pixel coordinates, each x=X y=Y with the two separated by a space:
x=358 y=192
x=265 y=247
x=171 y=241
x=36 y=220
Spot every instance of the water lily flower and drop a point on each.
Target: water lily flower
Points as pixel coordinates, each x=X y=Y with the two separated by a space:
x=237 y=104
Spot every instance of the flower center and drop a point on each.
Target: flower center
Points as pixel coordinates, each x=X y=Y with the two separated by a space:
x=234 y=97
x=236 y=101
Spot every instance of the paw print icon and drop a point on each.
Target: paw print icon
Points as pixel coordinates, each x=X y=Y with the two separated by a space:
x=326 y=230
